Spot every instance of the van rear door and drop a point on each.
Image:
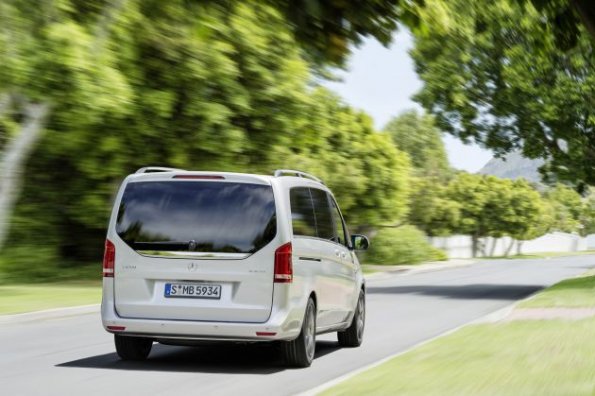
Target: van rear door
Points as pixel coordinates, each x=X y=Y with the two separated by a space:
x=195 y=250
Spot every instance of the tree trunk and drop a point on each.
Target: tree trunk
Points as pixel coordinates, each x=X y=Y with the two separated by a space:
x=519 y=247
x=474 y=245
x=13 y=160
x=493 y=249
x=510 y=247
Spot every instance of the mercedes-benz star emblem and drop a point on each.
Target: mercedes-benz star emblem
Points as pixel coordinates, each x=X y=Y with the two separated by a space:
x=191 y=267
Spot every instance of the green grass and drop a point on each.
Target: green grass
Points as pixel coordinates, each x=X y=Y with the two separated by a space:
x=367 y=270
x=20 y=298
x=517 y=358
x=575 y=292
x=545 y=357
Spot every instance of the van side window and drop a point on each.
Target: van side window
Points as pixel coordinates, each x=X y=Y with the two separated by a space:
x=302 y=212
x=322 y=211
x=341 y=233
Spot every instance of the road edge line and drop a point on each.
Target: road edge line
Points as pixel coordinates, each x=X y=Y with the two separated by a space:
x=51 y=313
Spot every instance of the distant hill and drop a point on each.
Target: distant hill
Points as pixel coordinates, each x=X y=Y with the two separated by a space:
x=514 y=166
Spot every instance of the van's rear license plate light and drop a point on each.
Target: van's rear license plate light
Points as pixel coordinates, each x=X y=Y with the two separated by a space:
x=192 y=290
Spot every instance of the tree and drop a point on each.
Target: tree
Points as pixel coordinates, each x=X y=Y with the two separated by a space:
x=187 y=84
x=431 y=209
x=51 y=64
x=588 y=214
x=532 y=216
x=494 y=75
x=327 y=29
x=368 y=174
x=418 y=136
x=565 y=18
x=567 y=208
x=496 y=207
x=135 y=83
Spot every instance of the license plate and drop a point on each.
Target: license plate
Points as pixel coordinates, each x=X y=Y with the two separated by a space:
x=193 y=290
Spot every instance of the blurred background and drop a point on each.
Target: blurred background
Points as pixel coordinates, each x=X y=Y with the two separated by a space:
x=92 y=90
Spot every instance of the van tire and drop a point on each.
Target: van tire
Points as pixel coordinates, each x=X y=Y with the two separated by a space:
x=300 y=352
x=132 y=348
x=354 y=334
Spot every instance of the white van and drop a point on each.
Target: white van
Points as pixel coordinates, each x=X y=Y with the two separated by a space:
x=193 y=256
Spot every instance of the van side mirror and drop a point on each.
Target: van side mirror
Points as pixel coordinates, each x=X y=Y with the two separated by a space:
x=359 y=242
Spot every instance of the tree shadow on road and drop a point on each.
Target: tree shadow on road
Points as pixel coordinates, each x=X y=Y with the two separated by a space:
x=463 y=292
x=209 y=358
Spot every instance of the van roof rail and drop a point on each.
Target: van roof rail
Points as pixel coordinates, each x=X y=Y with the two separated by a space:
x=153 y=169
x=291 y=172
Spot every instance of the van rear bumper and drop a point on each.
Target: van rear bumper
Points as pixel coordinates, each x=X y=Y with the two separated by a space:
x=283 y=324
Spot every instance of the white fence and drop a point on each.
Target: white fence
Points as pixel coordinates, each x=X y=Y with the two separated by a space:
x=460 y=246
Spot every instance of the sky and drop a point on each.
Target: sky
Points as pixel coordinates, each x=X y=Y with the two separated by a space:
x=382 y=80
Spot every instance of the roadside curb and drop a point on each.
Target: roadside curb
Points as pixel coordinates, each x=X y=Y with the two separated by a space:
x=384 y=271
x=54 y=313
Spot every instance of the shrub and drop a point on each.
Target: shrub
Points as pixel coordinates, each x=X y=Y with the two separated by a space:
x=30 y=264
x=403 y=245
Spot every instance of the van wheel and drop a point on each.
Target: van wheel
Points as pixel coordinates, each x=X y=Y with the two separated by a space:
x=132 y=348
x=300 y=352
x=354 y=334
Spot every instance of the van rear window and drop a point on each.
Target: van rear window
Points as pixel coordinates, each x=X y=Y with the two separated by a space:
x=197 y=216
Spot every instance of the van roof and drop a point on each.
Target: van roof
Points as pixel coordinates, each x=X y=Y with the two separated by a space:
x=162 y=173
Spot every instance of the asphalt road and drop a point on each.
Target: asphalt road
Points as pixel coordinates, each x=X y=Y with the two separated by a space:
x=74 y=356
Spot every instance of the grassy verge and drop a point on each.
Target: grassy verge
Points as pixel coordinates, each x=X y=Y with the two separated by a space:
x=518 y=358
x=553 y=357
x=572 y=293
x=20 y=298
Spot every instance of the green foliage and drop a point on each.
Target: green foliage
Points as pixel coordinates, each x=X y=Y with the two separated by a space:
x=184 y=84
x=493 y=74
x=402 y=245
x=369 y=176
x=495 y=207
x=431 y=209
x=588 y=214
x=567 y=208
x=418 y=136
x=327 y=29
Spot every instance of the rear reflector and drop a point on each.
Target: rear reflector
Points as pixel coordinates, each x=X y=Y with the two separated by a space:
x=116 y=328
x=265 y=333
x=283 y=265
x=203 y=177
x=109 y=257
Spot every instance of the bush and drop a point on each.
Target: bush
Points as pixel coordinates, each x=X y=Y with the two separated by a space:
x=31 y=264
x=403 y=245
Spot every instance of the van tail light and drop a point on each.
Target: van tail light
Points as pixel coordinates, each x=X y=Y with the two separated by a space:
x=109 y=257
x=283 y=265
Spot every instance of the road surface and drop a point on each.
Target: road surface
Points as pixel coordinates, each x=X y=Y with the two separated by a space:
x=74 y=356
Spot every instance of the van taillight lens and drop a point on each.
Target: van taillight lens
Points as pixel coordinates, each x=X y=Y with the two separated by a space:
x=109 y=257
x=283 y=265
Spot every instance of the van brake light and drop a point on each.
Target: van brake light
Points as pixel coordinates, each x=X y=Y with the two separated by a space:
x=109 y=257
x=200 y=177
x=283 y=265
